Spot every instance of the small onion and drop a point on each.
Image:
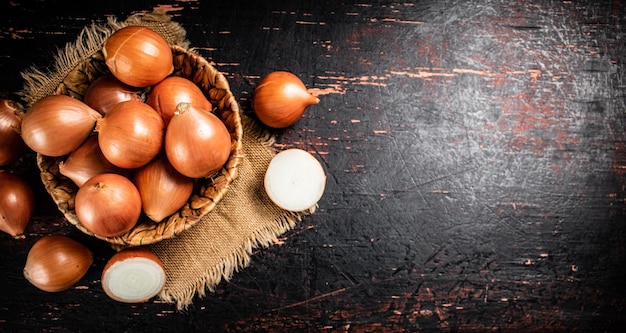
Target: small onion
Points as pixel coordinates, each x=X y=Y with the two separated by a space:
x=131 y=134
x=57 y=124
x=88 y=161
x=56 y=262
x=12 y=146
x=167 y=94
x=108 y=205
x=163 y=190
x=138 y=56
x=106 y=91
x=197 y=142
x=17 y=204
x=280 y=99
x=295 y=180
x=133 y=275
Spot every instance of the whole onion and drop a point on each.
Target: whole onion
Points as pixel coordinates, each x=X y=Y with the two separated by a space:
x=106 y=91
x=280 y=99
x=167 y=94
x=17 y=204
x=108 y=205
x=56 y=262
x=138 y=56
x=12 y=146
x=163 y=190
x=197 y=143
x=88 y=161
x=131 y=134
x=55 y=125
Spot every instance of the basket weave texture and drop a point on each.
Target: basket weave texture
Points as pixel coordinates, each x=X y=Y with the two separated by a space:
x=207 y=191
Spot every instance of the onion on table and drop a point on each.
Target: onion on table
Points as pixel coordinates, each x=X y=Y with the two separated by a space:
x=17 y=204
x=133 y=275
x=295 y=180
x=167 y=94
x=56 y=262
x=12 y=146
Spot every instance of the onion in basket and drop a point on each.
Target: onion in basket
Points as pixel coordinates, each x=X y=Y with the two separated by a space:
x=197 y=142
x=138 y=56
x=167 y=94
x=163 y=190
x=108 y=205
x=57 y=124
x=88 y=161
x=17 y=204
x=131 y=134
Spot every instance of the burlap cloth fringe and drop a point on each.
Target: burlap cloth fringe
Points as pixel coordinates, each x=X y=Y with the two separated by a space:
x=220 y=244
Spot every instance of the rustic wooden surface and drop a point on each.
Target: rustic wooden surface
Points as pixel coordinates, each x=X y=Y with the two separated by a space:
x=476 y=154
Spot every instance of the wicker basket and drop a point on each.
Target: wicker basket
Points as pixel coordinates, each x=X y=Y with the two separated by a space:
x=207 y=191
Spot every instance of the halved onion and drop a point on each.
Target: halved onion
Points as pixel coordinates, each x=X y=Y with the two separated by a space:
x=295 y=180
x=133 y=275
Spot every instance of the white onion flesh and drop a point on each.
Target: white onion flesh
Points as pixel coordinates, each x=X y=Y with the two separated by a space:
x=134 y=280
x=295 y=180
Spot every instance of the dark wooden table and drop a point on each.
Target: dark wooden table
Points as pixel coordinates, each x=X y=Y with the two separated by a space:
x=476 y=159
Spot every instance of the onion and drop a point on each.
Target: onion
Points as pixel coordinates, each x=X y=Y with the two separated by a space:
x=167 y=94
x=163 y=190
x=133 y=275
x=106 y=91
x=131 y=134
x=280 y=99
x=295 y=180
x=12 y=146
x=55 y=125
x=197 y=142
x=55 y=263
x=138 y=56
x=88 y=161
x=108 y=205
x=17 y=204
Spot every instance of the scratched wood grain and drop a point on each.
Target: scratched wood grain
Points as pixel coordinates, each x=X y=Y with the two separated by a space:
x=476 y=154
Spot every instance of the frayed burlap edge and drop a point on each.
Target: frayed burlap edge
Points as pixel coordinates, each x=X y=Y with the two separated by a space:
x=39 y=82
x=263 y=237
